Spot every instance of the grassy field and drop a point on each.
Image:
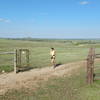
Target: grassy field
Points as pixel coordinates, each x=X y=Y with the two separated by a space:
x=65 y=88
x=66 y=50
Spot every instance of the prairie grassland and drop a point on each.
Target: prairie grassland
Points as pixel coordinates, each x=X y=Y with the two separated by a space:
x=66 y=50
x=63 y=88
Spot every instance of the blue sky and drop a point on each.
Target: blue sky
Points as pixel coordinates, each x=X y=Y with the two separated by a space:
x=50 y=18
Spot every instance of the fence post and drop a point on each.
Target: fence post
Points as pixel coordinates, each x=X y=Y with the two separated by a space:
x=27 y=57
x=90 y=66
x=15 y=60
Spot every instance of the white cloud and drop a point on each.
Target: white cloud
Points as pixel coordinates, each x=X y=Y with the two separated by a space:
x=84 y=3
x=4 y=20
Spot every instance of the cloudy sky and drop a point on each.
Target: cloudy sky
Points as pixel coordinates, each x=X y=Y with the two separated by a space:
x=50 y=18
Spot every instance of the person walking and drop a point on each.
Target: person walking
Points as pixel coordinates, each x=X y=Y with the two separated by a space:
x=53 y=55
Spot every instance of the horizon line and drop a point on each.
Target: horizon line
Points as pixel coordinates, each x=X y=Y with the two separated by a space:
x=48 y=38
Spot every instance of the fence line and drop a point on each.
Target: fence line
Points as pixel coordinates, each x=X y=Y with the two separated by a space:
x=1 y=53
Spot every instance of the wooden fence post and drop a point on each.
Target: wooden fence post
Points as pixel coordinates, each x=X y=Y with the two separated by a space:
x=27 y=57
x=90 y=66
x=15 y=60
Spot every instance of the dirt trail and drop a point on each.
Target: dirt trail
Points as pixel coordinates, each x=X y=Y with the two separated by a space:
x=32 y=77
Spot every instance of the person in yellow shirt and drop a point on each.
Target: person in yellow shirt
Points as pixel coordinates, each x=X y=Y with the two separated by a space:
x=53 y=55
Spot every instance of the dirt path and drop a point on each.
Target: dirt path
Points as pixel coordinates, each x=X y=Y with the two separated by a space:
x=32 y=77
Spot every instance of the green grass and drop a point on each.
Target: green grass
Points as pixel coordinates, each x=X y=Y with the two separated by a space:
x=39 y=51
x=6 y=68
x=66 y=50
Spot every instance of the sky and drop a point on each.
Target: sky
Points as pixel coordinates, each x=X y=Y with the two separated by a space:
x=50 y=18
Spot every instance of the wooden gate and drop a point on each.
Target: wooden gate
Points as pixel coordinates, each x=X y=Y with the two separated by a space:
x=21 y=59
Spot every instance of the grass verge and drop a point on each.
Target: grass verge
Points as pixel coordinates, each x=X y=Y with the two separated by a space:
x=63 y=88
